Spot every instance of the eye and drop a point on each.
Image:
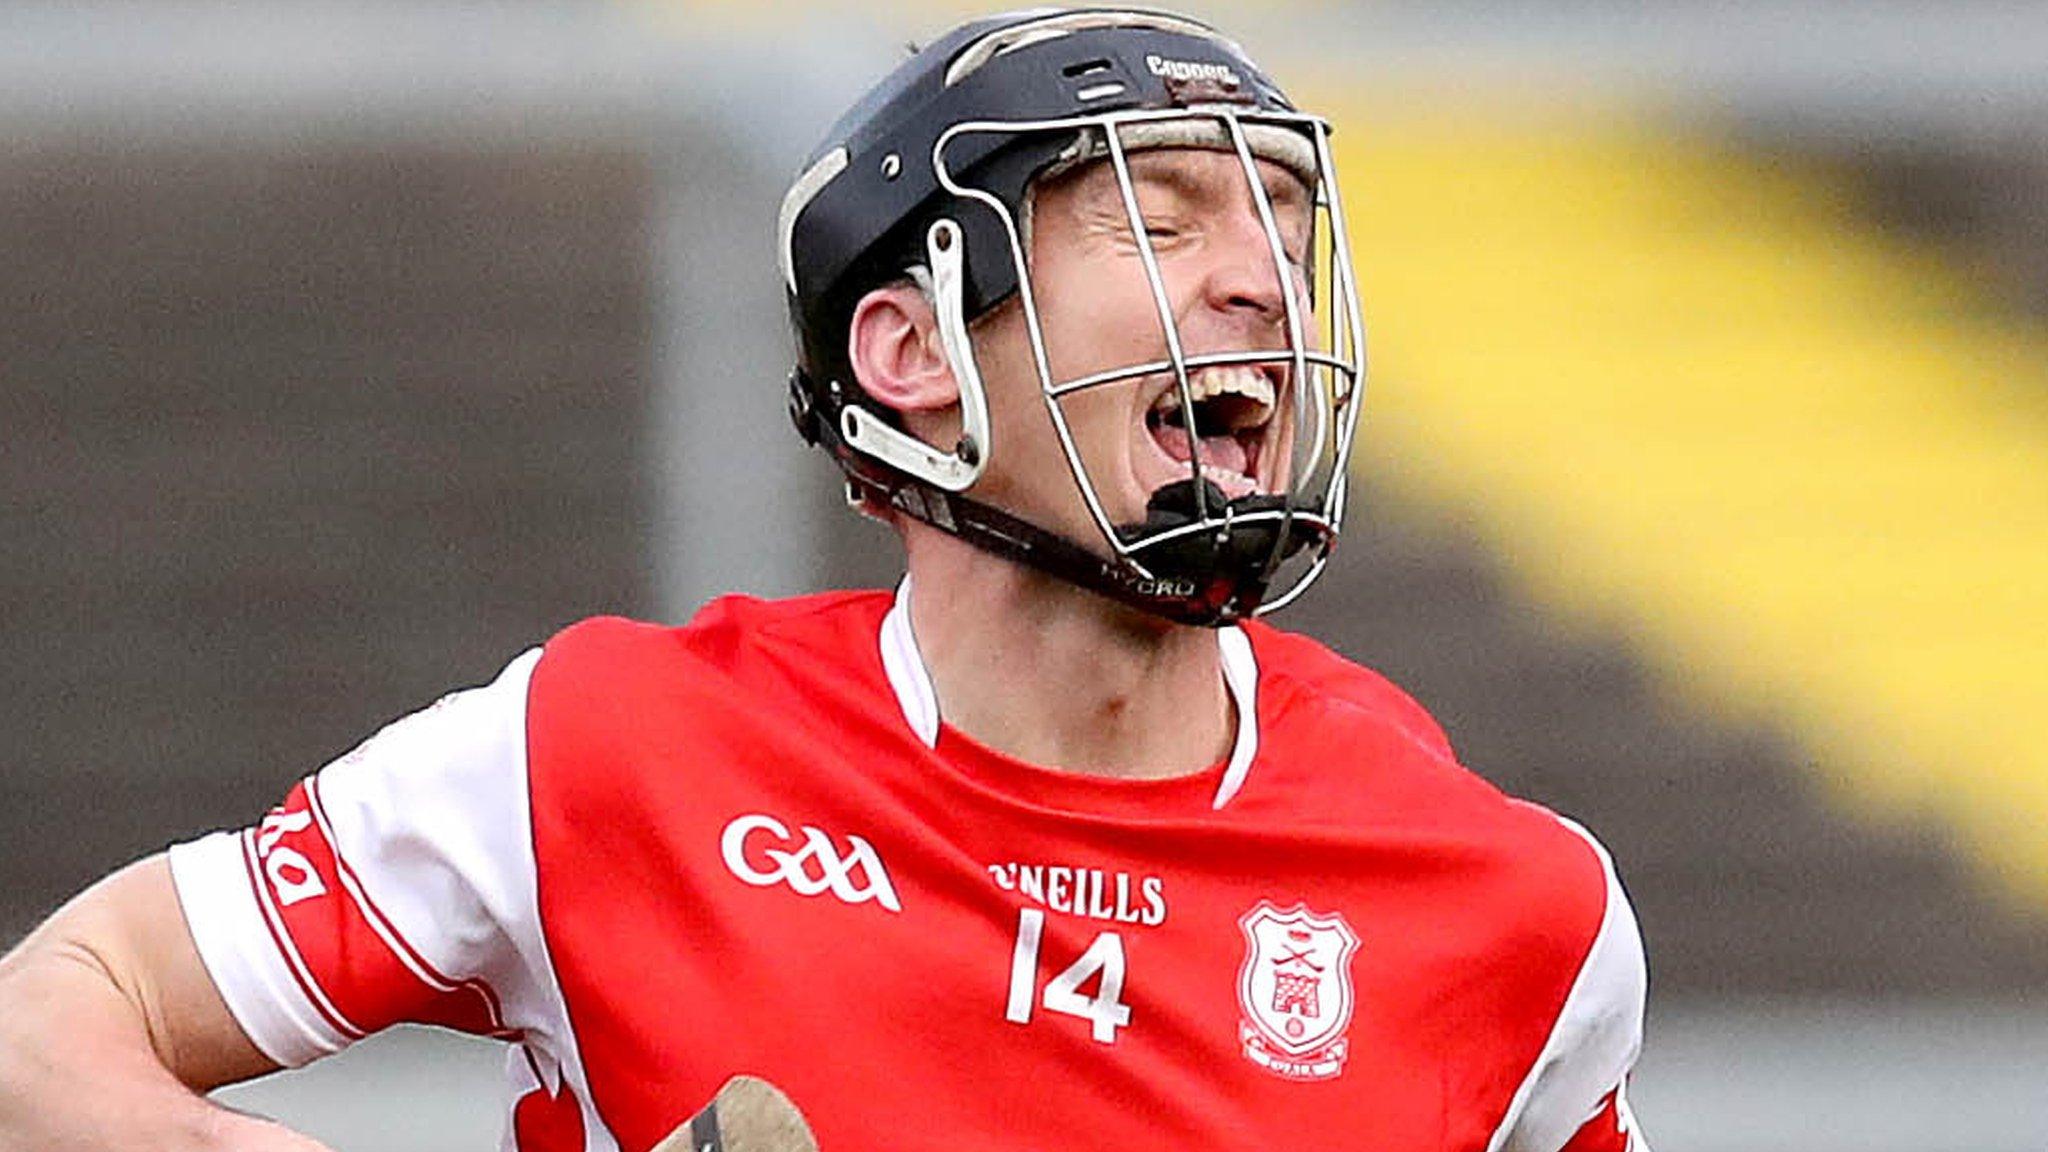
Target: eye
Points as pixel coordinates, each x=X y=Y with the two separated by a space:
x=1294 y=240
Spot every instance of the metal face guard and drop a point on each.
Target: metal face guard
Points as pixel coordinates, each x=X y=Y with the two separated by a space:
x=1257 y=553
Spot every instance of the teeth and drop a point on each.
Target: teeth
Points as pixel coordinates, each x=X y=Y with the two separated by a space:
x=1233 y=379
x=1233 y=484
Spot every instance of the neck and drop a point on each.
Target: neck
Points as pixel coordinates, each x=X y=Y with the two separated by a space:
x=1055 y=675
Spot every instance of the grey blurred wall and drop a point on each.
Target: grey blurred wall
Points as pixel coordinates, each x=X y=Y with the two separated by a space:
x=294 y=441
x=352 y=350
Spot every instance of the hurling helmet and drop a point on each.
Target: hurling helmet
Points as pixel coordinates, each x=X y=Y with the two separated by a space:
x=929 y=177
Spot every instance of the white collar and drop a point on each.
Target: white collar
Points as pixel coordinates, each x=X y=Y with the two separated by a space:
x=913 y=685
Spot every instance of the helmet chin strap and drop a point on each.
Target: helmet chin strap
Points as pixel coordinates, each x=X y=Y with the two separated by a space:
x=1207 y=579
x=943 y=283
x=1210 y=601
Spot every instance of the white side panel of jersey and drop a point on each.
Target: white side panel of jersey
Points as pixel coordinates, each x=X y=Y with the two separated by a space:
x=1596 y=1038
x=431 y=816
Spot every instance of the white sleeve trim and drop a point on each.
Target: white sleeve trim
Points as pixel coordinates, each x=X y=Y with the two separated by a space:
x=218 y=899
x=1595 y=1040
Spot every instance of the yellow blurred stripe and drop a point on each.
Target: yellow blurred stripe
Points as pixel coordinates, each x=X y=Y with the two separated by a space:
x=1687 y=391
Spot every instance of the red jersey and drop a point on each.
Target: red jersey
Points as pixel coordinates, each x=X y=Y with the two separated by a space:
x=652 y=858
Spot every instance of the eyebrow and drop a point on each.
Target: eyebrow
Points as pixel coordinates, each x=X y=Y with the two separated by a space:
x=1174 y=175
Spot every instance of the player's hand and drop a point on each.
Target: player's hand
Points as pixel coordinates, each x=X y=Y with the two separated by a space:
x=235 y=1132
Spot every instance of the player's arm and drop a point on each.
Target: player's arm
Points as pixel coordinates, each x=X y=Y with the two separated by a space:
x=110 y=1027
x=380 y=891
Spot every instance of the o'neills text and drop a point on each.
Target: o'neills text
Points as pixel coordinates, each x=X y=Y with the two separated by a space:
x=1091 y=892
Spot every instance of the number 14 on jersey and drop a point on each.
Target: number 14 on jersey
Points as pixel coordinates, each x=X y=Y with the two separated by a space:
x=1105 y=1011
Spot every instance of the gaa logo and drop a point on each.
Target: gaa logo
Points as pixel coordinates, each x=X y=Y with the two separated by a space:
x=292 y=876
x=759 y=850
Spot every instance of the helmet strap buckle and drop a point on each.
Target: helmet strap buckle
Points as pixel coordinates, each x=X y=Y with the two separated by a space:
x=943 y=281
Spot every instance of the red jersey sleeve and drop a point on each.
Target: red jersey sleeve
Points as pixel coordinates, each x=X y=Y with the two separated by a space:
x=1575 y=1097
x=394 y=885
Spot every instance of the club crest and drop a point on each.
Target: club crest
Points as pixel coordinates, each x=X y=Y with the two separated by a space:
x=1295 y=990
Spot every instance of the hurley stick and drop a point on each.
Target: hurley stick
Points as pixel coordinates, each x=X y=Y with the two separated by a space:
x=748 y=1115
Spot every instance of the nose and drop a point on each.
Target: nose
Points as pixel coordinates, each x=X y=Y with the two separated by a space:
x=1242 y=278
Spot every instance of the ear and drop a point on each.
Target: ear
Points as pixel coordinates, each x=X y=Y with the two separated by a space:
x=894 y=347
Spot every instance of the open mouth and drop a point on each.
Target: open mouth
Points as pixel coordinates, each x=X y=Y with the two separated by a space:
x=1233 y=404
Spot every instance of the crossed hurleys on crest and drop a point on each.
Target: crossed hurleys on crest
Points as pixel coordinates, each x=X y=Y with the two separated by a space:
x=1296 y=992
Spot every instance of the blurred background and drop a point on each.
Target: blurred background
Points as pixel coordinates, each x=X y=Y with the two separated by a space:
x=350 y=348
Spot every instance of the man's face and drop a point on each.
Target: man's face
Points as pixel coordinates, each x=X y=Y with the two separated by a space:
x=1098 y=313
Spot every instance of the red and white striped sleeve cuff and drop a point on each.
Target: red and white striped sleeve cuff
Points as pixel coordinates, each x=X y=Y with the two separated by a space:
x=271 y=998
